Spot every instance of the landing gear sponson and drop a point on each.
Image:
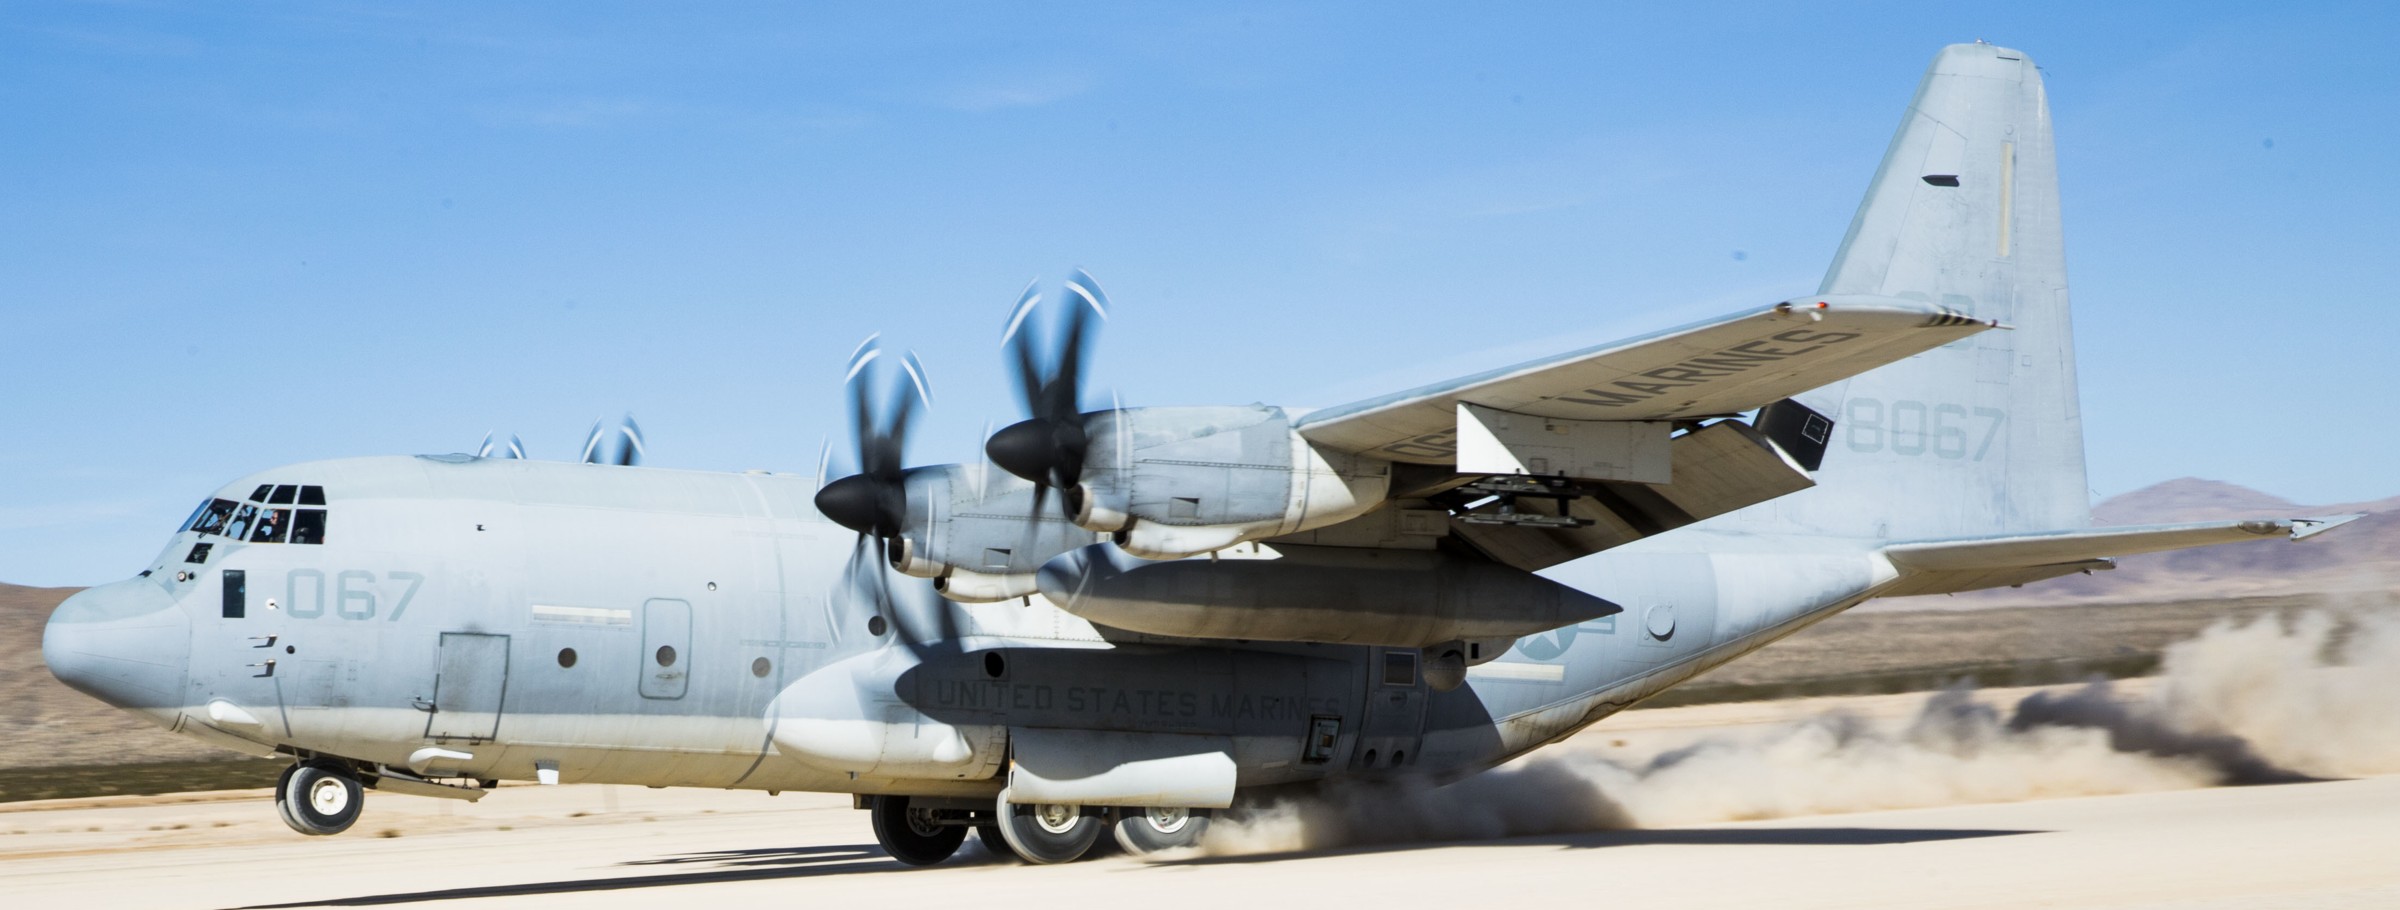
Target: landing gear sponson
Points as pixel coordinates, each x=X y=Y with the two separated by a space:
x=922 y=831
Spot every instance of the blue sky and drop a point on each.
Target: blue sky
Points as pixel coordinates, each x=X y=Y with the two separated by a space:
x=240 y=235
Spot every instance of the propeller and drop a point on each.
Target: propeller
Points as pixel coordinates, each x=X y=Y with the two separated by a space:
x=874 y=501
x=491 y=447
x=1049 y=446
x=627 y=450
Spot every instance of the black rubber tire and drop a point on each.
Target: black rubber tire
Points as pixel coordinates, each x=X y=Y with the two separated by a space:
x=1141 y=833
x=997 y=844
x=1042 y=839
x=912 y=837
x=283 y=807
x=319 y=800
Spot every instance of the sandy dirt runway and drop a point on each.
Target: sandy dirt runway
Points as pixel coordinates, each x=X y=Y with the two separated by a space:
x=2326 y=844
x=2301 y=845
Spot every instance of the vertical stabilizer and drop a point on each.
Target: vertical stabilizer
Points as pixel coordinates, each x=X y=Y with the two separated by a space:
x=1983 y=435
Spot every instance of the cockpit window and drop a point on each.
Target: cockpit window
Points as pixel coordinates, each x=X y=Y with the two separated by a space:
x=308 y=525
x=239 y=527
x=259 y=521
x=212 y=519
x=272 y=525
x=197 y=511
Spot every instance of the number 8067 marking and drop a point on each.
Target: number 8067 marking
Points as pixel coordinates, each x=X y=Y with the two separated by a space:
x=1916 y=428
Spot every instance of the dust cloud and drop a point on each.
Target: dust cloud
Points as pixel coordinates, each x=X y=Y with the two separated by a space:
x=2273 y=700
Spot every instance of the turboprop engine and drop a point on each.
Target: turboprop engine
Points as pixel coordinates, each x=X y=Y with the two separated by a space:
x=1174 y=482
x=1165 y=482
x=1395 y=598
x=979 y=534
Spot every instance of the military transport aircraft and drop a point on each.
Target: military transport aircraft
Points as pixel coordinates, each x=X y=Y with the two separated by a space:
x=1147 y=613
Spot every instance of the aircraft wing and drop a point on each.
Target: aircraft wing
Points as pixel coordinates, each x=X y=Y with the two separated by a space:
x=1708 y=369
x=1949 y=566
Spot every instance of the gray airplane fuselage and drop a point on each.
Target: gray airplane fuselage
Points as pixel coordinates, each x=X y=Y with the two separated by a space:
x=638 y=626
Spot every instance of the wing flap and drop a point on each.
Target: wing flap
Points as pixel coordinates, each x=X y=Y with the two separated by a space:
x=1717 y=469
x=1723 y=366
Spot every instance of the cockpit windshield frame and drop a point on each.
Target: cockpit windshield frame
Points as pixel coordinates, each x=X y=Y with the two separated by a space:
x=258 y=520
x=212 y=515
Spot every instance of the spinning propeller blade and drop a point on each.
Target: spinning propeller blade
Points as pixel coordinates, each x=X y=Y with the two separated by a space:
x=1049 y=359
x=873 y=501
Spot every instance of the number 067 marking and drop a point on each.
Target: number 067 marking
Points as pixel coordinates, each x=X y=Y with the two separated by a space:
x=356 y=595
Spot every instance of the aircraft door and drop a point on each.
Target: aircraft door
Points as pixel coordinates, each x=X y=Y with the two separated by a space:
x=666 y=648
x=467 y=692
x=1395 y=711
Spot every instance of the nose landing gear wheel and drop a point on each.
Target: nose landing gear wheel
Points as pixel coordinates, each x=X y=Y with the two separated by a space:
x=319 y=800
x=917 y=837
x=1146 y=831
x=1049 y=832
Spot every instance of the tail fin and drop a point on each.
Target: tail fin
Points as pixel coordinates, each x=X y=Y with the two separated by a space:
x=1983 y=435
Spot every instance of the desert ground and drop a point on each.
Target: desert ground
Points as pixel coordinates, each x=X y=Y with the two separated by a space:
x=2319 y=844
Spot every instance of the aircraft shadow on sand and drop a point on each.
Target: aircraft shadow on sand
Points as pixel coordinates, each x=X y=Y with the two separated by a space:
x=1728 y=837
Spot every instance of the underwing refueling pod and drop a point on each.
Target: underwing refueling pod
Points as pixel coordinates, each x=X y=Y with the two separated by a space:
x=1352 y=595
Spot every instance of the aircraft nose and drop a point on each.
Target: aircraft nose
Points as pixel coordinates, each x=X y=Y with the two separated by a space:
x=126 y=644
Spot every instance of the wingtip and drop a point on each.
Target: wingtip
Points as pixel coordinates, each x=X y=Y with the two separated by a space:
x=2305 y=528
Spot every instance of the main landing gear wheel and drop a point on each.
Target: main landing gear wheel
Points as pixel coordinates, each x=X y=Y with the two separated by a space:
x=1048 y=832
x=1145 y=831
x=319 y=799
x=997 y=843
x=918 y=837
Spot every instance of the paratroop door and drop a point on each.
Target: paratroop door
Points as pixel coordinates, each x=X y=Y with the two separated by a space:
x=466 y=694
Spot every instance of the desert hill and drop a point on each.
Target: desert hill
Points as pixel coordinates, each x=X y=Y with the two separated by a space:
x=43 y=723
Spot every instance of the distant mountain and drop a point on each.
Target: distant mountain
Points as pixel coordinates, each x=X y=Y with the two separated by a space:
x=45 y=724
x=2359 y=557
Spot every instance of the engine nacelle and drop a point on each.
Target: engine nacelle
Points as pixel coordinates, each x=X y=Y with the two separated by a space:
x=974 y=531
x=1412 y=598
x=1173 y=482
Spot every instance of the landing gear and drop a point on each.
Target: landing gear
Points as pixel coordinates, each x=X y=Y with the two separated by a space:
x=916 y=836
x=319 y=799
x=1146 y=831
x=1049 y=832
x=991 y=838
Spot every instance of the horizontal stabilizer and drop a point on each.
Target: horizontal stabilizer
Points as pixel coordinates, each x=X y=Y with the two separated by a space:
x=1951 y=566
x=1710 y=369
x=2095 y=543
